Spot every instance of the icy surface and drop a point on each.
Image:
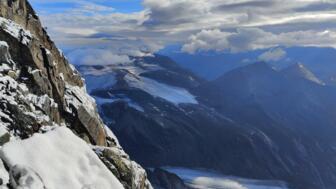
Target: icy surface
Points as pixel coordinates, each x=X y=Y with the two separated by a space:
x=61 y=159
x=201 y=179
x=172 y=94
x=15 y=30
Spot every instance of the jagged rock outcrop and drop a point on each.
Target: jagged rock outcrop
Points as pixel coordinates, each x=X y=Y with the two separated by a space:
x=41 y=91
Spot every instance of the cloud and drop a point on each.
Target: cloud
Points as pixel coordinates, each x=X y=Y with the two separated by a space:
x=207 y=40
x=273 y=55
x=246 y=39
x=201 y=25
x=117 y=53
x=172 y=13
x=97 y=57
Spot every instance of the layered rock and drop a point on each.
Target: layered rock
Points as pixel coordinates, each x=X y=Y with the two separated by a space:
x=40 y=91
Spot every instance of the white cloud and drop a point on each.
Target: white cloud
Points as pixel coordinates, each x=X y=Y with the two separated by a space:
x=97 y=57
x=246 y=39
x=207 y=40
x=273 y=55
x=202 y=25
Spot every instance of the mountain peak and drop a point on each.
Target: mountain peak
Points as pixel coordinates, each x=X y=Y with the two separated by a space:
x=252 y=71
x=298 y=70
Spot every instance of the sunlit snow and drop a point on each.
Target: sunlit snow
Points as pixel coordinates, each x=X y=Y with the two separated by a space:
x=61 y=159
x=172 y=94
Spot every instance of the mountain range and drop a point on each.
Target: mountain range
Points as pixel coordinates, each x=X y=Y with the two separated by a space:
x=211 y=65
x=255 y=121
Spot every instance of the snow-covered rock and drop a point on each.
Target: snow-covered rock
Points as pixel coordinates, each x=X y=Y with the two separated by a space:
x=15 y=30
x=56 y=159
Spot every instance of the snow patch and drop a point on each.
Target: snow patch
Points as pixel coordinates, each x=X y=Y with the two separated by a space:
x=8 y=88
x=61 y=159
x=3 y=44
x=41 y=101
x=15 y=30
x=175 y=95
x=77 y=97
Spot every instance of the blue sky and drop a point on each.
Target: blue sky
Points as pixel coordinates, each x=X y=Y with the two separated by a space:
x=124 y=6
x=142 y=27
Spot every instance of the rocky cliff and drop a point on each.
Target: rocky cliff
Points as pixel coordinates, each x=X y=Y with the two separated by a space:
x=42 y=99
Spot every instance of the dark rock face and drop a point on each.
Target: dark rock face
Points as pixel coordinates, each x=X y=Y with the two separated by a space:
x=39 y=90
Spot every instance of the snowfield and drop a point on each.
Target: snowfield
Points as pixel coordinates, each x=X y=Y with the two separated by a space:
x=58 y=159
x=104 y=78
x=200 y=179
x=175 y=95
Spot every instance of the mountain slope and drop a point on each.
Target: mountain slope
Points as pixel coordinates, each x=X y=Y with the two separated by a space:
x=44 y=111
x=253 y=122
x=296 y=116
x=161 y=115
x=171 y=124
x=298 y=70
